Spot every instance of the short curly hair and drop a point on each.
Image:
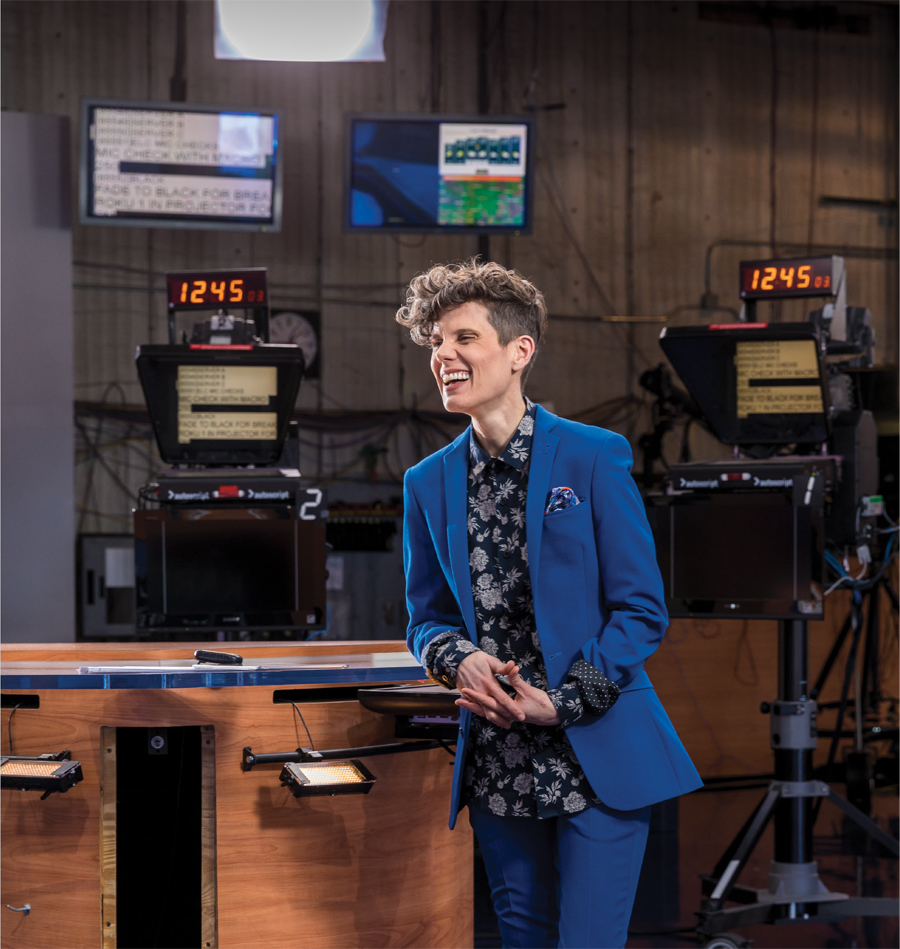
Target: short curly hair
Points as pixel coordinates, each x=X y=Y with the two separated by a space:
x=515 y=305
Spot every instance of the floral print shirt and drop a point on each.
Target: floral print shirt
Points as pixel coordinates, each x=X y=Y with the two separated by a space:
x=529 y=770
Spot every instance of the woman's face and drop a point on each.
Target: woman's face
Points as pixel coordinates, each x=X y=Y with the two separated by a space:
x=474 y=371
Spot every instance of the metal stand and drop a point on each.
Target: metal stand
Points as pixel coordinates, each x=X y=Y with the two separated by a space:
x=869 y=694
x=795 y=891
x=249 y=759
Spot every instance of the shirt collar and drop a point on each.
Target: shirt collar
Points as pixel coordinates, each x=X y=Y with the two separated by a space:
x=517 y=450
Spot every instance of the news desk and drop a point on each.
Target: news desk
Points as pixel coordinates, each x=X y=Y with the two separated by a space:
x=380 y=869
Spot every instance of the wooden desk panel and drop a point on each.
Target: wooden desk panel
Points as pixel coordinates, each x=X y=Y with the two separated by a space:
x=362 y=870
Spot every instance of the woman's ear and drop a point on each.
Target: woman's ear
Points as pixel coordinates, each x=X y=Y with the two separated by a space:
x=523 y=350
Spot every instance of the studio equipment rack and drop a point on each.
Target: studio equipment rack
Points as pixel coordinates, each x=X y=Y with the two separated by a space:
x=745 y=538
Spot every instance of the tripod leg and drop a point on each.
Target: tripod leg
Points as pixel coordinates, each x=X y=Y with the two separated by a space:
x=866 y=823
x=870 y=685
x=892 y=596
x=855 y=619
x=745 y=847
x=832 y=658
x=726 y=857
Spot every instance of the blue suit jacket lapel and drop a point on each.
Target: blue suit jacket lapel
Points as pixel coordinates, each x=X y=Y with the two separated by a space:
x=543 y=450
x=456 y=470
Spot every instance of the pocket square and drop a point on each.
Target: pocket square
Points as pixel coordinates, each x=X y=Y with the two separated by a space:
x=560 y=499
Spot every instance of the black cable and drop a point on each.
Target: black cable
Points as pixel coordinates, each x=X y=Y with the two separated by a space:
x=297 y=710
x=399 y=243
x=96 y=451
x=9 y=726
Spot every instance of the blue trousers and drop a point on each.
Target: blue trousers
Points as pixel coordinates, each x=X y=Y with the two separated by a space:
x=566 y=882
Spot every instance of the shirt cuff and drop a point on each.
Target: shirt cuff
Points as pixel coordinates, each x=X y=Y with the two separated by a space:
x=598 y=693
x=568 y=704
x=443 y=655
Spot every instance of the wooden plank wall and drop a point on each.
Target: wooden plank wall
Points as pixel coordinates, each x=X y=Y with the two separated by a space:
x=659 y=134
x=712 y=676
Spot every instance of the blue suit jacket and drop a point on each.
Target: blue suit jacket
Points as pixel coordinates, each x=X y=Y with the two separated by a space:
x=597 y=595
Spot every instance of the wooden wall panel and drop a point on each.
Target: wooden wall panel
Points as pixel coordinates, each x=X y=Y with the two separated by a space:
x=654 y=133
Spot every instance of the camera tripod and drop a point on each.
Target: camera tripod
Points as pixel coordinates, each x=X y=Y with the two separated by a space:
x=795 y=891
x=868 y=693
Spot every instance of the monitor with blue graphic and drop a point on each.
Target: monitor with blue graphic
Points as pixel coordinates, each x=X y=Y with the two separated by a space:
x=433 y=174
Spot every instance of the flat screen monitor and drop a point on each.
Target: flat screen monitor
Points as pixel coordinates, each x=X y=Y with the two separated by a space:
x=756 y=383
x=151 y=164
x=737 y=555
x=220 y=405
x=261 y=568
x=439 y=174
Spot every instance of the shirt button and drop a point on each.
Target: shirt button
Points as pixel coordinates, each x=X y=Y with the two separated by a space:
x=507 y=554
x=503 y=502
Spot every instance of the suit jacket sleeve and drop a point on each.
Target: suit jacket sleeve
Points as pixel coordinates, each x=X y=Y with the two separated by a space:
x=432 y=607
x=631 y=586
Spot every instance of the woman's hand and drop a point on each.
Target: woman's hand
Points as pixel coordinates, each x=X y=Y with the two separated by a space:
x=529 y=705
x=477 y=676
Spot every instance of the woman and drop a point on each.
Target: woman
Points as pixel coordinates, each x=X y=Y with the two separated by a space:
x=532 y=587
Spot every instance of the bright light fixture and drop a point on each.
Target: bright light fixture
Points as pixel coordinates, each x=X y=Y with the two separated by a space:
x=47 y=773
x=326 y=778
x=301 y=30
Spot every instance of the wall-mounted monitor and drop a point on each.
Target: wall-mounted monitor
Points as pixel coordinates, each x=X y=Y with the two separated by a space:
x=152 y=164
x=438 y=174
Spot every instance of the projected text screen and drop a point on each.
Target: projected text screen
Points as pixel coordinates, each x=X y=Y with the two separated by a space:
x=777 y=376
x=167 y=165
x=227 y=402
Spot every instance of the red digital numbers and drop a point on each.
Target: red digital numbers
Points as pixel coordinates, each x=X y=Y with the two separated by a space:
x=786 y=278
x=215 y=288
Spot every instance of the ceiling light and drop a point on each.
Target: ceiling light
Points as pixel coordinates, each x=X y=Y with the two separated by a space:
x=301 y=30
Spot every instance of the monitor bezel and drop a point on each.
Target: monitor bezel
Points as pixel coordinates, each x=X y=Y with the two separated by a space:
x=84 y=217
x=731 y=334
x=808 y=562
x=309 y=579
x=437 y=118
x=162 y=405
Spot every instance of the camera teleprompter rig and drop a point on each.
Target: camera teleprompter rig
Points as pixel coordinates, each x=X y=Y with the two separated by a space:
x=745 y=537
x=227 y=541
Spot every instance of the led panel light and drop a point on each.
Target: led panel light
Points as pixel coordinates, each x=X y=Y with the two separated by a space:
x=40 y=773
x=326 y=778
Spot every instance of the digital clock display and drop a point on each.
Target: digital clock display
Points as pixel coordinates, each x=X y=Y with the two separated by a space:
x=799 y=277
x=201 y=290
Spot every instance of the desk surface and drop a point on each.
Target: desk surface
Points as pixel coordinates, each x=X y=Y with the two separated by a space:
x=169 y=666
